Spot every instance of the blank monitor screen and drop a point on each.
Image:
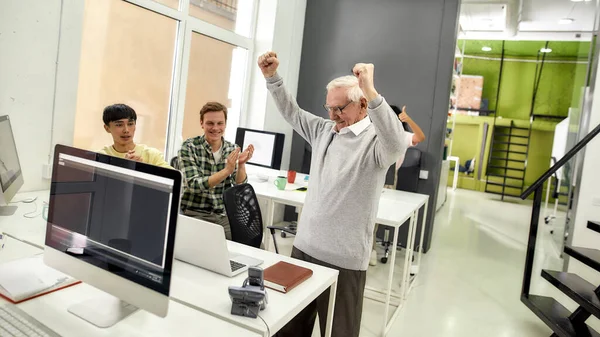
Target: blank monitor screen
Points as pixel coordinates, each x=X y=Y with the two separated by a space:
x=114 y=214
x=268 y=146
x=10 y=169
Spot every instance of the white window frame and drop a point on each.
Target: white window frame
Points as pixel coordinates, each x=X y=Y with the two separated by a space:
x=187 y=25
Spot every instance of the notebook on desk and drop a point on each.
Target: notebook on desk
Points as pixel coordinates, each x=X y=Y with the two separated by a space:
x=27 y=278
x=284 y=276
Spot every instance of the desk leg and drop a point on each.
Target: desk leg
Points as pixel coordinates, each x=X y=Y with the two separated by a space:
x=330 y=309
x=268 y=222
x=410 y=246
x=424 y=221
x=422 y=235
x=390 y=280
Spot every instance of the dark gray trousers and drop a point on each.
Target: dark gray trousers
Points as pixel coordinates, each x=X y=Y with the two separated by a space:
x=348 y=304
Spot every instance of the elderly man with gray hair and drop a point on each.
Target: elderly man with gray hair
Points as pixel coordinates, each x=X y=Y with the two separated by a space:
x=351 y=153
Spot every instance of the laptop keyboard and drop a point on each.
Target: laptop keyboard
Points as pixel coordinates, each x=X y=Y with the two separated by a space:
x=235 y=265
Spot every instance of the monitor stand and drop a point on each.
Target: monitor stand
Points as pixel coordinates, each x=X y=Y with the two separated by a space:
x=103 y=311
x=8 y=210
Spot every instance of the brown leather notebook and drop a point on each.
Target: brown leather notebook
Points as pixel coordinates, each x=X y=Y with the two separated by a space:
x=284 y=276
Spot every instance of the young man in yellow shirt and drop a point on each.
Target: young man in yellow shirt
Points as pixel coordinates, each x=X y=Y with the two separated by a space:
x=120 y=122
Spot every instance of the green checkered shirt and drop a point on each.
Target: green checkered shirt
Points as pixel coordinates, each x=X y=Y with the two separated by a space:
x=197 y=163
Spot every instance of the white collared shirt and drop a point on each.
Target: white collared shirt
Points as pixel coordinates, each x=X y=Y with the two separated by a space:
x=356 y=128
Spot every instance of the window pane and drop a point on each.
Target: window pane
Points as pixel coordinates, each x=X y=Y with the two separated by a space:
x=234 y=15
x=169 y=3
x=216 y=73
x=127 y=56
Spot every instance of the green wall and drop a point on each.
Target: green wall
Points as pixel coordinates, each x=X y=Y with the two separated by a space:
x=555 y=93
x=560 y=84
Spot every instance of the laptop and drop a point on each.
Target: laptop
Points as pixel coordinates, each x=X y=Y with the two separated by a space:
x=203 y=244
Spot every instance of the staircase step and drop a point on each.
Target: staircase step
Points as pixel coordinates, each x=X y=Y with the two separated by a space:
x=511 y=135
x=509 y=143
x=505 y=185
x=509 y=151
x=503 y=176
x=508 y=159
x=589 y=256
x=503 y=168
x=594 y=225
x=578 y=289
x=556 y=317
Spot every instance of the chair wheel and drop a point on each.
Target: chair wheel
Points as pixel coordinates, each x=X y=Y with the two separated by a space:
x=283 y=235
x=384 y=259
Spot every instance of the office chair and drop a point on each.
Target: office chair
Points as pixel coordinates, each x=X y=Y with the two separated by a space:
x=408 y=180
x=245 y=219
x=175 y=163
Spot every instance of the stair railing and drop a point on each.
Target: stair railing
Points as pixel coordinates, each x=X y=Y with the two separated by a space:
x=537 y=189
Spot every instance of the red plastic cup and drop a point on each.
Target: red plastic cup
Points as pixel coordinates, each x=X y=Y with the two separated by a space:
x=291 y=176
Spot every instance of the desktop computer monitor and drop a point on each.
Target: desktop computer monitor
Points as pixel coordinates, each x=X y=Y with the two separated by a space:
x=11 y=178
x=268 y=146
x=111 y=224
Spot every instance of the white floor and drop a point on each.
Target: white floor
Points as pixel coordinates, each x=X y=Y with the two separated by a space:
x=470 y=280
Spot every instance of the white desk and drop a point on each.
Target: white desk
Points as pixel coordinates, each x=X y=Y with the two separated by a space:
x=51 y=310
x=195 y=287
x=207 y=291
x=395 y=207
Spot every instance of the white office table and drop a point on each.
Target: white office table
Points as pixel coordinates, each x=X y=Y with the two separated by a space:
x=207 y=291
x=51 y=310
x=418 y=201
x=395 y=207
x=195 y=287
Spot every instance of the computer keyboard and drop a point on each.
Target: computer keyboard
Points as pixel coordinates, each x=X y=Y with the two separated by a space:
x=235 y=265
x=15 y=322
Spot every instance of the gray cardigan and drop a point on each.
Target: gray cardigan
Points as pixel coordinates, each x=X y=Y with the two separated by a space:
x=347 y=174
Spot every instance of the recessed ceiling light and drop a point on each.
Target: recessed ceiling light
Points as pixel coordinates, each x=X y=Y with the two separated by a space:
x=581 y=0
x=545 y=50
x=486 y=48
x=566 y=21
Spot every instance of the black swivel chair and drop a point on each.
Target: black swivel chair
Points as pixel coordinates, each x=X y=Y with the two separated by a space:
x=175 y=163
x=245 y=219
x=408 y=180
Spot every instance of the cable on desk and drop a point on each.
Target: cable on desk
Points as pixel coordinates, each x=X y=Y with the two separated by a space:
x=267 y=325
x=25 y=201
x=29 y=216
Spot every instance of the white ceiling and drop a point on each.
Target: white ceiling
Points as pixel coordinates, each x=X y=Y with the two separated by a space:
x=487 y=18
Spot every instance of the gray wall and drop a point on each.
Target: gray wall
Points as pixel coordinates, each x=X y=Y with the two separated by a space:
x=411 y=43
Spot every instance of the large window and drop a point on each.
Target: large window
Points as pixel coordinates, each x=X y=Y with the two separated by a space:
x=166 y=59
x=127 y=56
x=216 y=73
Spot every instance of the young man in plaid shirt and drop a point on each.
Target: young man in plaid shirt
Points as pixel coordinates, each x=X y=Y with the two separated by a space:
x=209 y=167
